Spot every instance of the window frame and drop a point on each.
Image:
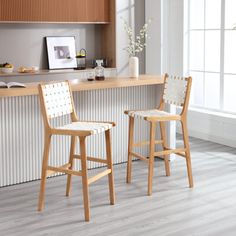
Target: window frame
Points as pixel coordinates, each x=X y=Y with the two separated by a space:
x=187 y=52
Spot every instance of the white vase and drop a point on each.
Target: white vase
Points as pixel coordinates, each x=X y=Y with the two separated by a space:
x=133 y=67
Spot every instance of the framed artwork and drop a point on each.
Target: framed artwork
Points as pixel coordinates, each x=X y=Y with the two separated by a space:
x=61 y=52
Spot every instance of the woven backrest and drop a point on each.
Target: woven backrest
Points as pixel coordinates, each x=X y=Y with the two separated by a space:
x=175 y=90
x=57 y=99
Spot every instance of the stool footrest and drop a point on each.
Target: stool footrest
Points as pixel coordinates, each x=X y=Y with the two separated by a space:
x=51 y=172
x=138 y=156
x=99 y=176
x=170 y=151
x=177 y=153
x=146 y=143
x=63 y=169
x=94 y=159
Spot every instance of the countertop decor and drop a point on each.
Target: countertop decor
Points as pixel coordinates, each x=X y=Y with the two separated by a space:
x=136 y=44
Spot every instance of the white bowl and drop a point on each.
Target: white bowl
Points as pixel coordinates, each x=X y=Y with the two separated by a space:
x=35 y=68
x=7 y=70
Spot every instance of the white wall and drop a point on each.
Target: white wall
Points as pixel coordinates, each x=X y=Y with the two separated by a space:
x=24 y=45
x=154 y=47
x=173 y=31
x=164 y=52
x=134 y=12
x=165 y=47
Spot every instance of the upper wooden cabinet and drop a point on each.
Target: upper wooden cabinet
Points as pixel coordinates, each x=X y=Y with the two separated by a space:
x=88 y=11
x=97 y=10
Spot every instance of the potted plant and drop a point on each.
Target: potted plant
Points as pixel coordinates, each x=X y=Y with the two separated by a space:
x=136 y=44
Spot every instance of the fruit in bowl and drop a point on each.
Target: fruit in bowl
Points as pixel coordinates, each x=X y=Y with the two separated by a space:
x=7 y=68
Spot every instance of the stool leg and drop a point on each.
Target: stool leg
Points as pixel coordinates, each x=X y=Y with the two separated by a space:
x=110 y=166
x=47 y=141
x=130 y=148
x=187 y=152
x=164 y=145
x=71 y=161
x=84 y=178
x=151 y=156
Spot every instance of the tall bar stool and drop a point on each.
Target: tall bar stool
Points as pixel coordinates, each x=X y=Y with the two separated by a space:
x=56 y=100
x=176 y=92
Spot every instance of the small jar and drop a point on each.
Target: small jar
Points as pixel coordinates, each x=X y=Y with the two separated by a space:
x=90 y=76
x=81 y=59
x=99 y=70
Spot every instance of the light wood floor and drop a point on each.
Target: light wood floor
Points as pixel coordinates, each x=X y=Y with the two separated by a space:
x=173 y=209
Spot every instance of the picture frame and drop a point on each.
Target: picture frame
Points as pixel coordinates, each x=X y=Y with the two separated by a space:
x=61 y=52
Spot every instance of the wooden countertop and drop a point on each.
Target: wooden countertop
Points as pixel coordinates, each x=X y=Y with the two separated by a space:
x=78 y=85
x=49 y=72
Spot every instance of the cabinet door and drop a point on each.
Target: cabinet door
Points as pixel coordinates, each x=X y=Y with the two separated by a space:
x=102 y=10
x=91 y=10
x=77 y=10
x=54 y=10
x=97 y=10
x=20 y=10
x=8 y=9
x=64 y=10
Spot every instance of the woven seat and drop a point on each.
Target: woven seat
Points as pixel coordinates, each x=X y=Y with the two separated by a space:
x=154 y=114
x=56 y=100
x=90 y=127
x=176 y=92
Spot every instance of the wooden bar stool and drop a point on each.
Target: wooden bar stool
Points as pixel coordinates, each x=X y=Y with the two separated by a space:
x=56 y=100
x=176 y=92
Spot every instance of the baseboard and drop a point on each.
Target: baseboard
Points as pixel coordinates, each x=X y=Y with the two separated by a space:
x=214 y=127
x=212 y=138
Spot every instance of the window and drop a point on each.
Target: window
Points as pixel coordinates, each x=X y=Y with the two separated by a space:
x=211 y=53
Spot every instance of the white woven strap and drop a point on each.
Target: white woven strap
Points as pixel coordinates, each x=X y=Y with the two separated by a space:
x=93 y=127
x=148 y=113
x=175 y=90
x=57 y=99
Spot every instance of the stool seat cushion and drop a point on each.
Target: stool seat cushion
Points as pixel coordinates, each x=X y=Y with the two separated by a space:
x=153 y=113
x=91 y=127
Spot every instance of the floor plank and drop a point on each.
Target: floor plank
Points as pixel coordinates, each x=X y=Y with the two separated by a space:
x=209 y=209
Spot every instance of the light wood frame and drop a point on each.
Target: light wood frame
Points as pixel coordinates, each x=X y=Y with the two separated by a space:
x=68 y=167
x=183 y=152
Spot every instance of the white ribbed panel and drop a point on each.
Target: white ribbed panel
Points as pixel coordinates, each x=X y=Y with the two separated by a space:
x=21 y=129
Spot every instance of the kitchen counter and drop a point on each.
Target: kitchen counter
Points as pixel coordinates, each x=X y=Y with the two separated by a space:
x=84 y=85
x=22 y=130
